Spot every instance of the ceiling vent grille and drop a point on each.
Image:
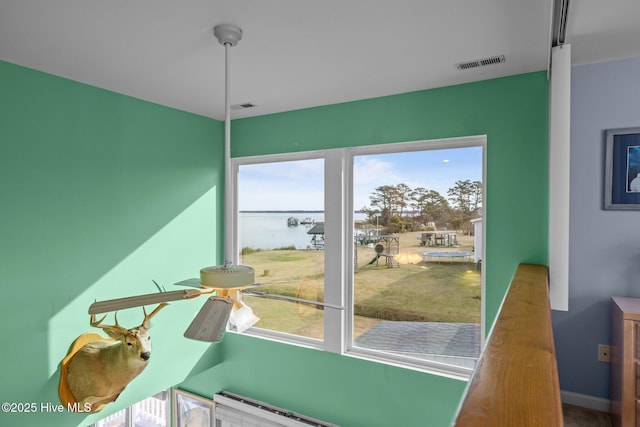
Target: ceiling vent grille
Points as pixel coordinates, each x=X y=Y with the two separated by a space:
x=243 y=106
x=480 y=62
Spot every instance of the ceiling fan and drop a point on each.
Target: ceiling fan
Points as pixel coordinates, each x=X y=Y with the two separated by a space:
x=226 y=281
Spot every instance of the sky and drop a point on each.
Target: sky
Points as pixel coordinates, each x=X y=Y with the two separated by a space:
x=298 y=185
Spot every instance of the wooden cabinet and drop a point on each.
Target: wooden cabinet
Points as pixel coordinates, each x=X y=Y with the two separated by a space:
x=625 y=361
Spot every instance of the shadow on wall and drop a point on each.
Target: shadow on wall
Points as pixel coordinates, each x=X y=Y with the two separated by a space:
x=173 y=253
x=103 y=194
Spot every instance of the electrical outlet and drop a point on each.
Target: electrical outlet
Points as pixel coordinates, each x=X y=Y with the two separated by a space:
x=604 y=353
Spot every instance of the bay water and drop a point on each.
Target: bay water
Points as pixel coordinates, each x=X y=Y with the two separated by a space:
x=270 y=230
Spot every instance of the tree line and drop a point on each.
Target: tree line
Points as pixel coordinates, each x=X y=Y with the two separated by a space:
x=401 y=208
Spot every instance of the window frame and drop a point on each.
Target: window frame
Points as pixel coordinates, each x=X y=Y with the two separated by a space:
x=130 y=411
x=393 y=359
x=236 y=163
x=339 y=269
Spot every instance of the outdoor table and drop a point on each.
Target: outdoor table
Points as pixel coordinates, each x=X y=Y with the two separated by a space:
x=438 y=238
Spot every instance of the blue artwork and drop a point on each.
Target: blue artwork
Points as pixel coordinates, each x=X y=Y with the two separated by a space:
x=633 y=169
x=622 y=186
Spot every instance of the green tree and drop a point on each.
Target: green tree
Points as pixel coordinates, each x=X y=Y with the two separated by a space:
x=382 y=199
x=402 y=192
x=477 y=196
x=461 y=195
x=418 y=200
x=466 y=198
x=431 y=205
x=370 y=213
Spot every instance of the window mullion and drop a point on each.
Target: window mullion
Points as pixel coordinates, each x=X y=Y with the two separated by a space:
x=350 y=250
x=129 y=417
x=334 y=319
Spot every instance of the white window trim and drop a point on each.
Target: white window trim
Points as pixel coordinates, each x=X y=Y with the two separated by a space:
x=338 y=179
x=268 y=334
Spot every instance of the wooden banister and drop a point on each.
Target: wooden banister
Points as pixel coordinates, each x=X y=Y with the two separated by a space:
x=515 y=382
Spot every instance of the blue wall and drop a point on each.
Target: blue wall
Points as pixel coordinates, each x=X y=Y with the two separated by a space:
x=604 y=245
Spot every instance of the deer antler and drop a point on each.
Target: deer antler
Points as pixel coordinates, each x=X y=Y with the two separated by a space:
x=112 y=330
x=96 y=323
x=147 y=317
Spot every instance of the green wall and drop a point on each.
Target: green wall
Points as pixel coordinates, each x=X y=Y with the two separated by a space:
x=101 y=193
x=513 y=113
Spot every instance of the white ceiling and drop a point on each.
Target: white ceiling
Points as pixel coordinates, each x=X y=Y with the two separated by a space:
x=299 y=53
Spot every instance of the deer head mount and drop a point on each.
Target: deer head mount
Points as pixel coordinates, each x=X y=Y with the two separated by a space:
x=97 y=369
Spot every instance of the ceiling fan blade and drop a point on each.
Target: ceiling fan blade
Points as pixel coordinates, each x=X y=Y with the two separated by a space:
x=211 y=321
x=142 y=300
x=194 y=283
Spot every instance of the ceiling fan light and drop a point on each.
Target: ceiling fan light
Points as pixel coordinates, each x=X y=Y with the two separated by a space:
x=243 y=318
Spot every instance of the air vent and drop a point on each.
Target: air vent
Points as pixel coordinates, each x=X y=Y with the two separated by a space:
x=480 y=62
x=242 y=106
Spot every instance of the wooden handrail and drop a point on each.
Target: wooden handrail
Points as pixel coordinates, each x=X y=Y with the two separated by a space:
x=515 y=382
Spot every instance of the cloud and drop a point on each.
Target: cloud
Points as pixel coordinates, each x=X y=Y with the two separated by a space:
x=282 y=186
x=372 y=170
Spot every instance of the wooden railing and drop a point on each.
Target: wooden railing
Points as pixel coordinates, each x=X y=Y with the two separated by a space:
x=515 y=382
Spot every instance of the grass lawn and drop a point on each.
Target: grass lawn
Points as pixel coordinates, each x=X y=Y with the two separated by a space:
x=427 y=291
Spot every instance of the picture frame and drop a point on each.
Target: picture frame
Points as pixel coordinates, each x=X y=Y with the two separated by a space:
x=622 y=169
x=190 y=410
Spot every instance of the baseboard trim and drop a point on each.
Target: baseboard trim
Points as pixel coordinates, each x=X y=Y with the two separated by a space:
x=585 y=401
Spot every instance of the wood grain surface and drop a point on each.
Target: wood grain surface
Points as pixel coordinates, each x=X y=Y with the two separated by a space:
x=515 y=382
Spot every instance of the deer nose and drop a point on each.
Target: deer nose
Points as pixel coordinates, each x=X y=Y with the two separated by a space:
x=146 y=355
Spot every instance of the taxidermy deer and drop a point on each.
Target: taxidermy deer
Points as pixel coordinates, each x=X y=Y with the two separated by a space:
x=100 y=370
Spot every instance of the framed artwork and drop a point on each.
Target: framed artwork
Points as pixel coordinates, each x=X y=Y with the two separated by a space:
x=191 y=410
x=622 y=169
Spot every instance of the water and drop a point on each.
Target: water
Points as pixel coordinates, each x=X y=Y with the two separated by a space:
x=269 y=230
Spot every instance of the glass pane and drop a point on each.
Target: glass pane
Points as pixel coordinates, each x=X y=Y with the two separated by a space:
x=151 y=412
x=417 y=283
x=119 y=419
x=281 y=233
